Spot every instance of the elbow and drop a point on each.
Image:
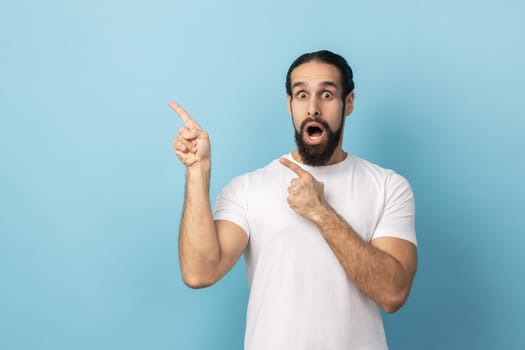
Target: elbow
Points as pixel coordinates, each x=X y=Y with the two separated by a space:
x=391 y=307
x=195 y=281
x=394 y=302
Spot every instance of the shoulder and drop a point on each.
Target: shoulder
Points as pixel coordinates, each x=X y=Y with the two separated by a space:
x=368 y=168
x=260 y=176
x=385 y=180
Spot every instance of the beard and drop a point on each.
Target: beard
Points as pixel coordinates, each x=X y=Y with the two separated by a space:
x=320 y=154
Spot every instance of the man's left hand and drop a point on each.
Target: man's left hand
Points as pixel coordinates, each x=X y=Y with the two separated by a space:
x=305 y=194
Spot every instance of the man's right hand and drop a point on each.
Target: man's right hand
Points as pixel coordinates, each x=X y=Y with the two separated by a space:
x=192 y=145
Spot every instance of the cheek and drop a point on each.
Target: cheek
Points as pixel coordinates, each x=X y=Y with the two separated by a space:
x=298 y=107
x=333 y=117
x=298 y=114
x=297 y=122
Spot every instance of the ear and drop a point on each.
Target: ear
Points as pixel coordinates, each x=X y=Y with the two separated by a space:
x=349 y=103
x=289 y=104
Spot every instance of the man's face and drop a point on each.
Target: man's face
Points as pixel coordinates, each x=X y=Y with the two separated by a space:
x=318 y=111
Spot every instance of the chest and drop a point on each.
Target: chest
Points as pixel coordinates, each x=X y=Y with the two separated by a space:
x=271 y=219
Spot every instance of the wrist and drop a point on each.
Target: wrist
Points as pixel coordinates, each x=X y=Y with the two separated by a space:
x=199 y=170
x=199 y=166
x=320 y=214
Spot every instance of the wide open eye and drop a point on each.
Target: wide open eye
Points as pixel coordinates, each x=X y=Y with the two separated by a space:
x=301 y=95
x=327 y=95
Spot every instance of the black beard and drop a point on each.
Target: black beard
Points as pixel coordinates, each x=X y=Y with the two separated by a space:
x=319 y=154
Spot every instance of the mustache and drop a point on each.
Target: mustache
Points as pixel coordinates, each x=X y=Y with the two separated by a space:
x=314 y=119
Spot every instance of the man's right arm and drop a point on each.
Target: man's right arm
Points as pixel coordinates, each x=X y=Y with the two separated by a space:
x=207 y=249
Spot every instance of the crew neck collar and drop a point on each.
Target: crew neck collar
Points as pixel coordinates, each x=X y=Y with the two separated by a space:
x=322 y=168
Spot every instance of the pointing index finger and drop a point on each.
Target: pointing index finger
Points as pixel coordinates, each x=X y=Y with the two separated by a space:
x=183 y=114
x=294 y=167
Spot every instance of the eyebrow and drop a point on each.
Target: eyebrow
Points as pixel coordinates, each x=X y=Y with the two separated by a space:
x=324 y=84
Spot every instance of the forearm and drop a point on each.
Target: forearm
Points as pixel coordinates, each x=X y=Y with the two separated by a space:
x=199 y=251
x=376 y=273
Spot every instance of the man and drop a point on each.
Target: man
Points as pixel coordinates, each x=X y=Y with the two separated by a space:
x=328 y=237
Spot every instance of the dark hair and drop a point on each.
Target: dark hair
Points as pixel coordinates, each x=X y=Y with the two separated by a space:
x=328 y=57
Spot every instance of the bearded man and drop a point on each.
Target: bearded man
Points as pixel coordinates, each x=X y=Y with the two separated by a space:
x=328 y=238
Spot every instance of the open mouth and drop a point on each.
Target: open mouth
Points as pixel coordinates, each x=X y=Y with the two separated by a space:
x=314 y=133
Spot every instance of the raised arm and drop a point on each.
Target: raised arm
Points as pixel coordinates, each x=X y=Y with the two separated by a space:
x=382 y=269
x=207 y=249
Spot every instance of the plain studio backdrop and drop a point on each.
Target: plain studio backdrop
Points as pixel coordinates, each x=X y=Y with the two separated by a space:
x=91 y=193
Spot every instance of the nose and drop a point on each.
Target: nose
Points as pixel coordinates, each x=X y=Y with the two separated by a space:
x=313 y=108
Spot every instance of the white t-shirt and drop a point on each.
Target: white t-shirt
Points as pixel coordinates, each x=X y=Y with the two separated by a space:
x=300 y=296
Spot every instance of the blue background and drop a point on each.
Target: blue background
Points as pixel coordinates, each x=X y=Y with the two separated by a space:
x=91 y=192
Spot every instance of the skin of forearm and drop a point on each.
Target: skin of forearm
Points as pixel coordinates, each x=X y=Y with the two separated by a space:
x=376 y=273
x=199 y=249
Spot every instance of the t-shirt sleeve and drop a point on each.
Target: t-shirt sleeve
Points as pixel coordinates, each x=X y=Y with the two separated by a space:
x=231 y=204
x=398 y=219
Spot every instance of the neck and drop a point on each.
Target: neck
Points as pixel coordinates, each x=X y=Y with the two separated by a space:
x=338 y=156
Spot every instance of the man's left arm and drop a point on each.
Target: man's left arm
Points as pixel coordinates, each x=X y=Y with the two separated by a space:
x=382 y=269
